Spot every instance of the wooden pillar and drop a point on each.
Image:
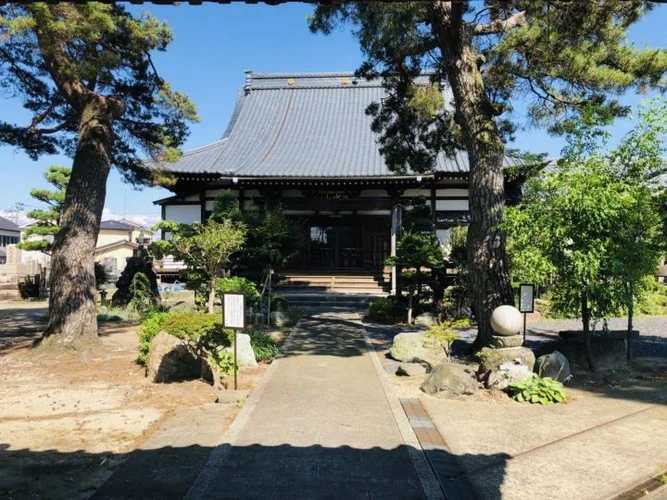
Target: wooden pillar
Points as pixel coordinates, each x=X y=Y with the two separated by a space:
x=396 y=216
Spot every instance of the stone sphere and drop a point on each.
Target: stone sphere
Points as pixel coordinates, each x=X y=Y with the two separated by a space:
x=506 y=320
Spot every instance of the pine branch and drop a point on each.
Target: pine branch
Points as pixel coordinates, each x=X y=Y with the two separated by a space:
x=501 y=25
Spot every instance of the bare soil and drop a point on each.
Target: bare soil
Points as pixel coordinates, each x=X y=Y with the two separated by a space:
x=68 y=419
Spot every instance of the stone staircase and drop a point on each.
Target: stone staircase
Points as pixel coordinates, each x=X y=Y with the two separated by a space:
x=332 y=289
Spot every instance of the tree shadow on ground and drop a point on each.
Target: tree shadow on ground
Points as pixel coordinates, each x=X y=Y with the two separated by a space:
x=20 y=327
x=324 y=336
x=242 y=472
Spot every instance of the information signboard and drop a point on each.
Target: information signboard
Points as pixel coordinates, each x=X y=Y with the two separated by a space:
x=526 y=298
x=233 y=310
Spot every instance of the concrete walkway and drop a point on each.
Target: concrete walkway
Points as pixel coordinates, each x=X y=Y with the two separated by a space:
x=321 y=427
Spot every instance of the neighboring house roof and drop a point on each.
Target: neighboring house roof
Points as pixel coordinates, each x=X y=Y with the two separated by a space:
x=116 y=244
x=303 y=126
x=7 y=225
x=120 y=225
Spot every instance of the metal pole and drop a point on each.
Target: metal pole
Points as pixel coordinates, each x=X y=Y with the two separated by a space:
x=524 y=328
x=235 y=364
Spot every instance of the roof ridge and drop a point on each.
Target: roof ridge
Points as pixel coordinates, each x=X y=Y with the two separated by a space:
x=265 y=76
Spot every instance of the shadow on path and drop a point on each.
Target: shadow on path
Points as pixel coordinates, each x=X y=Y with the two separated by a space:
x=251 y=472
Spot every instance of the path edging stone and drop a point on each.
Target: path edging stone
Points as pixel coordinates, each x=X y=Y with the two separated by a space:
x=430 y=485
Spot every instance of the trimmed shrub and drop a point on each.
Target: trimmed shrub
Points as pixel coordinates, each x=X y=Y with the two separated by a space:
x=238 y=284
x=385 y=310
x=203 y=331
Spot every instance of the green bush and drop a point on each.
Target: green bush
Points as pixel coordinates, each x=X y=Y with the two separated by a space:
x=385 y=310
x=654 y=300
x=224 y=360
x=536 y=389
x=442 y=333
x=204 y=331
x=237 y=284
x=264 y=347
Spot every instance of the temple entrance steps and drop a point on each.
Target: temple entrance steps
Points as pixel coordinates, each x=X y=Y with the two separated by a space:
x=333 y=289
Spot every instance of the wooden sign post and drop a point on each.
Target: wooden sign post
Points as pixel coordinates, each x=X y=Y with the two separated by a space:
x=526 y=301
x=233 y=316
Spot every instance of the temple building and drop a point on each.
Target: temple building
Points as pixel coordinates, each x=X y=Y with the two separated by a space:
x=305 y=141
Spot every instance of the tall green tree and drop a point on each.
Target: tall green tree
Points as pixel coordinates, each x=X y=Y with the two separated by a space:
x=595 y=220
x=47 y=221
x=271 y=240
x=555 y=55
x=85 y=73
x=202 y=247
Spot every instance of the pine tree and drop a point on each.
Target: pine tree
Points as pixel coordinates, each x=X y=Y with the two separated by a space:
x=47 y=221
x=555 y=56
x=85 y=73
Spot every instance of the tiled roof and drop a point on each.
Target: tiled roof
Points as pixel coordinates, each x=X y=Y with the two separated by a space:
x=7 y=225
x=117 y=225
x=302 y=126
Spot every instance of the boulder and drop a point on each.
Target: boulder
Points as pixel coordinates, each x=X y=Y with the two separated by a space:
x=425 y=319
x=493 y=358
x=170 y=360
x=245 y=356
x=410 y=369
x=278 y=318
x=509 y=341
x=414 y=345
x=554 y=365
x=506 y=320
x=451 y=377
x=506 y=374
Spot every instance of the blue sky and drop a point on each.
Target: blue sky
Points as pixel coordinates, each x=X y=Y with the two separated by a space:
x=213 y=45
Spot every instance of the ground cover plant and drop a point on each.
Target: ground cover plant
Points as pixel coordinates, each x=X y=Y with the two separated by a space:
x=536 y=389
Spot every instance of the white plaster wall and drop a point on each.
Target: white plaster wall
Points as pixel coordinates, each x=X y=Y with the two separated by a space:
x=184 y=214
x=451 y=204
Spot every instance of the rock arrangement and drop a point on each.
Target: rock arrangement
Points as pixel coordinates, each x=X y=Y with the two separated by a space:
x=506 y=362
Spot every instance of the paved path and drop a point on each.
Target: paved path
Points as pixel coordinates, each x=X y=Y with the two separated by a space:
x=321 y=428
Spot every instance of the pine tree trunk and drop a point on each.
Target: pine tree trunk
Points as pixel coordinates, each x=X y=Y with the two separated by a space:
x=488 y=278
x=588 y=341
x=72 y=307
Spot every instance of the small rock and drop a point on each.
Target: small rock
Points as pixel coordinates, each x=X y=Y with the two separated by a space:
x=554 y=365
x=506 y=320
x=425 y=319
x=506 y=374
x=278 y=318
x=410 y=369
x=452 y=377
x=245 y=355
x=508 y=341
x=493 y=358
